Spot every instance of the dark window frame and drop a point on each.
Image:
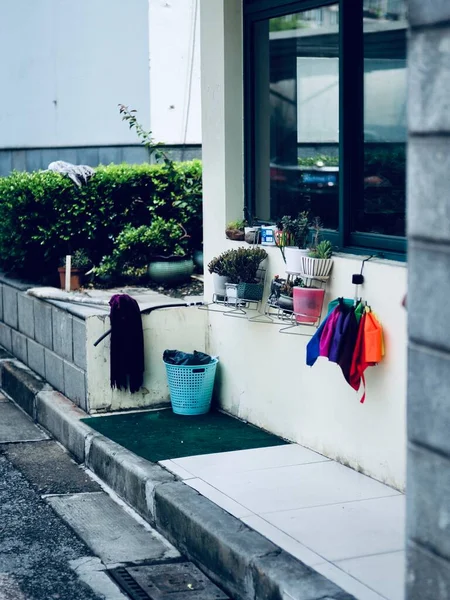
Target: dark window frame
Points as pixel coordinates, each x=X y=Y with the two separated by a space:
x=351 y=111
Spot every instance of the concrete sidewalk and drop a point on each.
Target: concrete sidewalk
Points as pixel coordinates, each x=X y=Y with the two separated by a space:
x=345 y=525
x=233 y=554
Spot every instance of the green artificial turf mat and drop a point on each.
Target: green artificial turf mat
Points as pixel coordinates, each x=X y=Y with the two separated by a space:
x=160 y=435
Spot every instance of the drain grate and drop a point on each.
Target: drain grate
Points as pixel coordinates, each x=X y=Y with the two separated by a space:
x=177 y=581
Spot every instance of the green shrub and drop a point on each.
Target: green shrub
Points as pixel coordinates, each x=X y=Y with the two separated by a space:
x=134 y=247
x=44 y=216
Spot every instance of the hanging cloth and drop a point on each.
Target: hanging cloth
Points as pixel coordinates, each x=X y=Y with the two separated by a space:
x=359 y=311
x=349 y=302
x=313 y=346
x=369 y=350
x=348 y=342
x=327 y=334
x=340 y=330
x=373 y=340
x=127 y=343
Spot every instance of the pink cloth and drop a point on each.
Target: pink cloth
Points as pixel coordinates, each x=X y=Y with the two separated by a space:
x=328 y=331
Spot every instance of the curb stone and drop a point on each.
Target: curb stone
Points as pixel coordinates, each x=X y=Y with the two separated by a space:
x=21 y=384
x=240 y=560
x=62 y=419
x=133 y=478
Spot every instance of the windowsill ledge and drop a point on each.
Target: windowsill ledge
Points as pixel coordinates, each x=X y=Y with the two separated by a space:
x=352 y=254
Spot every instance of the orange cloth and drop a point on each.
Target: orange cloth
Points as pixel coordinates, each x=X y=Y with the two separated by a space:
x=369 y=350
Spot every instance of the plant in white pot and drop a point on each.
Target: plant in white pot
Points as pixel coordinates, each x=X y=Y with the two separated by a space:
x=318 y=263
x=235 y=230
x=216 y=267
x=158 y=251
x=293 y=239
x=245 y=270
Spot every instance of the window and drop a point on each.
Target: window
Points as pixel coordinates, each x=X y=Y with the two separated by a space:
x=325 y=121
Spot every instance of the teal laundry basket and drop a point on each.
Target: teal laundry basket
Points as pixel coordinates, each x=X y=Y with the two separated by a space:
x=191 y=387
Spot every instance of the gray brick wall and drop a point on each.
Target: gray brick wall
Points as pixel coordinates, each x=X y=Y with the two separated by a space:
x=48 y=339
x=428 y=480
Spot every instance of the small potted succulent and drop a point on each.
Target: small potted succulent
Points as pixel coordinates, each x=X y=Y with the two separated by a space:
x=275 y=286
x=318 y=263
x=292 y=239
x=245 y=271
x=216 y=267
x=286 y=298
x=80 y=264
x=235 y=231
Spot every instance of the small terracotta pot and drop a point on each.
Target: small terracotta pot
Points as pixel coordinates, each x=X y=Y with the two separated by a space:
x=235 y=234
x=75 y=278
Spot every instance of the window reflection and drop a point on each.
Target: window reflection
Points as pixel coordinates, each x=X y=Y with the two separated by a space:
x=383 y=207
x=297 y=115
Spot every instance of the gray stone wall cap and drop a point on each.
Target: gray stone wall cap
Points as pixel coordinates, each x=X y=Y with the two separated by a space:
x=17 y=284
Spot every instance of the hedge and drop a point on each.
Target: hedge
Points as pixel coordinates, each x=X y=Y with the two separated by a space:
x=44 y=215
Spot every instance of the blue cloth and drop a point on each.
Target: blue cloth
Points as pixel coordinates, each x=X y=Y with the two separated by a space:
x=313 y=346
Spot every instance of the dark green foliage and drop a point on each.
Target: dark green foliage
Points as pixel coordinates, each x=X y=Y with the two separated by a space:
x=241 y=265
x=297 y=228
x=44 y=216
x=134 y=247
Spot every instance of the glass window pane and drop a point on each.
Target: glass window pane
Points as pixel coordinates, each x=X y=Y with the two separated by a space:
x=296 y=114
x=382 y=209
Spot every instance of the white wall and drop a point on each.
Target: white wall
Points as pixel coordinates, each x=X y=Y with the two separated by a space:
x=66 y=66
x=263 y=373
x=265 y=380
x=175 y=105
x=175 y=328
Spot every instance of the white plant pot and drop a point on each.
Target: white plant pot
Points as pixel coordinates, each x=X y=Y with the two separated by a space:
x=316 y=267
x=219 y=282
x=261 y=272
x=294 y=259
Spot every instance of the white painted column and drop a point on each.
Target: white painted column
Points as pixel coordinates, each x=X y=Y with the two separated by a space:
x=222 y=120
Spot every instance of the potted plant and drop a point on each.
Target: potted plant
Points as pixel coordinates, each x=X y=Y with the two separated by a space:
x=217 y=268
x=275 y=286
x=286 y=299
x=160 y=249
x=169 y=262
x=244 y=268
x=318 y=262
x=292 y=239
x=235 y=230
x=80 y=264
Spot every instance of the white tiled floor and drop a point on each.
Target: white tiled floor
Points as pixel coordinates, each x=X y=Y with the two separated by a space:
x=345 y=525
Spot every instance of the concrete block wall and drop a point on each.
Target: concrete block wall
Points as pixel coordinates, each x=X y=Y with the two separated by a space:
x=48 y=339
x=428 y=478
x=56 y=341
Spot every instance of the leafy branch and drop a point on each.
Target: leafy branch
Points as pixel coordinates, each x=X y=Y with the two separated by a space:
x=147 y=140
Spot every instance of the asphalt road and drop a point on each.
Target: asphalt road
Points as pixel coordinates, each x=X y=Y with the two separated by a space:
x=64 y=537
x=60 y=532
x=36 y=547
